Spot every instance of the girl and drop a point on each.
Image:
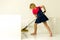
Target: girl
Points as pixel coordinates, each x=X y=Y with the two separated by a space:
x=40 y=17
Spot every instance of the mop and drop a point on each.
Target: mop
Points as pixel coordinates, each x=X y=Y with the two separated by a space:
x=25 y=28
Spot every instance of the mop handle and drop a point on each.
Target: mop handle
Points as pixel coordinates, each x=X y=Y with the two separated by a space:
x=31 y=22
x=28 y=24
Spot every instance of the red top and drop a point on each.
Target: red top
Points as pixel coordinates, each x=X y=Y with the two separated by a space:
x=35 y=10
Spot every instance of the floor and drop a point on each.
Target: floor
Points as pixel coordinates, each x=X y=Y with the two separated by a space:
x=27 y=36
x=10 y=30
x=42 y=34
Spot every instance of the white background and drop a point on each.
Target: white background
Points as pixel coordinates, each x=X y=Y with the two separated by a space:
x=12 y=10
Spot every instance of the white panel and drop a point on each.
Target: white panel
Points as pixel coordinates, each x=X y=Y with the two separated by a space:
x=10 y=27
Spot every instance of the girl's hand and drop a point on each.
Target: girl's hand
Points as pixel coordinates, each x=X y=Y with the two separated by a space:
x=44 y=12
x=44 y=8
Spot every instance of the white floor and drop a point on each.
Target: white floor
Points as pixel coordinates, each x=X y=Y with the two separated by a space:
x=10 y=30
x=28 y=36
x=42 y=34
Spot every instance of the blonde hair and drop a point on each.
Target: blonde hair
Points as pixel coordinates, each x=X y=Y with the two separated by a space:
x=32 y=4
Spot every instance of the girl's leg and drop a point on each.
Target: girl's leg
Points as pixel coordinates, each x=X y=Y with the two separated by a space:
x=46 y=25
x=35 y=29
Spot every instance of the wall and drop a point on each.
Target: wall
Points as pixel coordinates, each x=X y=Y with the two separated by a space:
x=8 y=6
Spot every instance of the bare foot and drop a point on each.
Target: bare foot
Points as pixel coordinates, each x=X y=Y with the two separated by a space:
x=50 y=34
x=33 y=33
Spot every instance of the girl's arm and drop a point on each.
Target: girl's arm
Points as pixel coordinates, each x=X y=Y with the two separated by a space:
x=44 y=8
x=35 y=15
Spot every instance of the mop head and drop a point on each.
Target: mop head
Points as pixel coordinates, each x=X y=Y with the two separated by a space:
x=24 y=30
